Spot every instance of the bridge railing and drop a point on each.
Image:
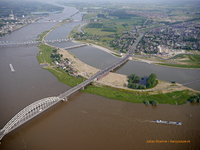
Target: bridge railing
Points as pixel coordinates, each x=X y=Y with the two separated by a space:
x=28 y=113
x=37 y=107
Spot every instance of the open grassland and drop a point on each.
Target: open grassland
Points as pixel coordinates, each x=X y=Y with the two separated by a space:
x=64 y=77
x=185 y=61
x=194 y=65
x=42 y=35
x=89 y=15
x=44 y=54
x=177 y=97
x=132 y=21
x=97 y=31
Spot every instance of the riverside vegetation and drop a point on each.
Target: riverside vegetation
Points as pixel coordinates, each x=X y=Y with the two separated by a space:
x=177 y=97
x=134 y=79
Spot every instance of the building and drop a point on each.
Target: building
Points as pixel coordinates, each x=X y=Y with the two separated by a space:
x=11 y=16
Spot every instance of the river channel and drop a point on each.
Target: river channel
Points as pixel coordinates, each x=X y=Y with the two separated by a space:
x=87 y=121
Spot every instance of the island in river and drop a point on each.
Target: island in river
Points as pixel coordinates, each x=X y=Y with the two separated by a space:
x=113 y=85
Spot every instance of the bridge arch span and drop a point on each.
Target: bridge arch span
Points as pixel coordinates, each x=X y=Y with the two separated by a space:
x=28 y=113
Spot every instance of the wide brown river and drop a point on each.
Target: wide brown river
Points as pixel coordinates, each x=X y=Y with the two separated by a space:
x=86 y=121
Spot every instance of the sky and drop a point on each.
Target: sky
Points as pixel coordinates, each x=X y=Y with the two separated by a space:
x=108 y=0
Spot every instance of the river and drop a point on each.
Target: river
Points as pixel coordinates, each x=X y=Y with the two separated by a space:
x=86 y=121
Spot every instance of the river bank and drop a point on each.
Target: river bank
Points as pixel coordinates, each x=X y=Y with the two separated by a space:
x=112 y=81
x=170 y=93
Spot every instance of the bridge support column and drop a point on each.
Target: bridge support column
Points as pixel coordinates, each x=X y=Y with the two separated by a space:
x=83 y=88
x=65 y=99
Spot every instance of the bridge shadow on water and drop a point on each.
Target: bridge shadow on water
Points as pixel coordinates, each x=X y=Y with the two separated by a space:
x=142 y=78
x=116 y=69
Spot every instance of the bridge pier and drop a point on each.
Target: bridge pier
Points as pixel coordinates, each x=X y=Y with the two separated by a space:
x=65 y=99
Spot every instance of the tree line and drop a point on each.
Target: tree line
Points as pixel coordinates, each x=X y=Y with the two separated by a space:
x=133 y=79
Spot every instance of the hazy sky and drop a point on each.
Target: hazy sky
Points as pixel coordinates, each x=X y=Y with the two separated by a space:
x=108 y=0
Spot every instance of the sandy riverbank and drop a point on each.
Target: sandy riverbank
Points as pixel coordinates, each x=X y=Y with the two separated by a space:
x=114 y=79
x=118 y=80
x=87 y=71
x=97 y=46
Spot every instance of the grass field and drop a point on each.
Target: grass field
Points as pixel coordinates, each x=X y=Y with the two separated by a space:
x=192 y=65
x=178 y=97
x=42 y=35
x=64 y=77
x=45 y=52
x=97 y=31
x=89 y=15
x=192 y=62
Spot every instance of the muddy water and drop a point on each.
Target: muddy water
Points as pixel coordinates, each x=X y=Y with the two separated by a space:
x=87 y=121
x=92 y=122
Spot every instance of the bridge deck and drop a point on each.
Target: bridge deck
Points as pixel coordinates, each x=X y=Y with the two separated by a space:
x=37 y=107
x=6 y=43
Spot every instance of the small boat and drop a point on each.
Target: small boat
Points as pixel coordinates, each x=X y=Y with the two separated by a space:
x=168 y=122
x=11 y=68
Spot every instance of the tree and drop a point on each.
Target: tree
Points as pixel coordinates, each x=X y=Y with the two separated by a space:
x=151 y=81
x=154 y=103
x=134 y=78
x=146 y=102
x=193 y=100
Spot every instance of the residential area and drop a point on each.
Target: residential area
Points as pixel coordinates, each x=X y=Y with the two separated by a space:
x=12 y=22
x=171 y=39
x=64 y=64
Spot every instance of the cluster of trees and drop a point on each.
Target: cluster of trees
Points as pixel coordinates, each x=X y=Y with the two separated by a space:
x=101 y=15
x=122 y=15
x=124 y=24
x=55 y=55
x=81 y=34
x=154 y=103
x=133 y=79
x=151 y=81
x=95 y=25
x=189 y=39
x=109 y=30
x=136 y=86
x=195 y=99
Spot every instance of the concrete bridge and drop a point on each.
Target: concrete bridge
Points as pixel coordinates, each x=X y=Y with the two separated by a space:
x=38 y=107
x=8 y=44
x=76 y=46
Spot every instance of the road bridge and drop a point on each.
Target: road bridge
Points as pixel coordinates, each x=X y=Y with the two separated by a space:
x=76 y=46
x=11 y=44
x=38 y=107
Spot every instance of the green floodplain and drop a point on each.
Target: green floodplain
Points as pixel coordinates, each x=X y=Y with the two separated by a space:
x=107 y=26
x=174 y=98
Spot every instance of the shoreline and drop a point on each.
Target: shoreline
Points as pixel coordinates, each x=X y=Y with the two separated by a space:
x=98 y=47
x=116 y=80
x=132 y=58
x=106 y=83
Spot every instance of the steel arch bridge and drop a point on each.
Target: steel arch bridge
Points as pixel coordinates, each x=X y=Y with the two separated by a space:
x=37 y=107
x=28 y=113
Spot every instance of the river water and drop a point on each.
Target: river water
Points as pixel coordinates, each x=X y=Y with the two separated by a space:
x=86 y=121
